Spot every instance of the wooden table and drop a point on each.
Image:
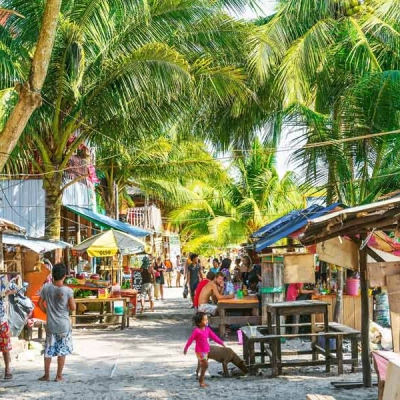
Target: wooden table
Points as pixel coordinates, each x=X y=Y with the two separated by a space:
x=270 y=343
x=300 y=307
x=102 y=313
x=224 y=306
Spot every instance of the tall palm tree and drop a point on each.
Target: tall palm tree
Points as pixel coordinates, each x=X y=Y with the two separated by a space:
x=123 y=68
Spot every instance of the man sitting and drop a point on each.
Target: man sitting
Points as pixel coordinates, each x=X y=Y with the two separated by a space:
x=209 y=277
x=211 y=290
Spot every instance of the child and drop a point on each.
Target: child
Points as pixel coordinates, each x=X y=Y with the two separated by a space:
x=201 y=333
x=56 y=300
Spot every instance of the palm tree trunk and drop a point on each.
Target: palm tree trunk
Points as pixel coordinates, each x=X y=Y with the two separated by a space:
x=52 y=187
x=29 y=92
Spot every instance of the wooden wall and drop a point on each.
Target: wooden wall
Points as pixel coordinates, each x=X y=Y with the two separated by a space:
x=351 y=309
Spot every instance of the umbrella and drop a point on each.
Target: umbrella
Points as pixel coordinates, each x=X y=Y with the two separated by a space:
x=109 y=243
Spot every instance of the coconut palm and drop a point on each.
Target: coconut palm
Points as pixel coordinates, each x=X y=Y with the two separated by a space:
x=219 y=216
x=158 y=167
x=314 y=54
x=122 y=68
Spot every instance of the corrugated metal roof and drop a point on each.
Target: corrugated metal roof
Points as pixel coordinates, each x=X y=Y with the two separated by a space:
x=6 y=225
x=107 y=222
x=37 y=245
x=288 y=224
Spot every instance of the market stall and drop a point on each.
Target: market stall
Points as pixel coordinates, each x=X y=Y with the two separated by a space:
x=105 y=282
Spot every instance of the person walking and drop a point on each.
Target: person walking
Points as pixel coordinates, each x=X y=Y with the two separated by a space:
x=193 y=276
x=201 y=334
x=168 y=270
x=159 y=269
x=178 y=270
x=56 y=300
x=147 y=287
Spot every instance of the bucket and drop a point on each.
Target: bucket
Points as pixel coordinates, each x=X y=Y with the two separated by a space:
x=352 y=286
x=118 y=307
x=240 y=336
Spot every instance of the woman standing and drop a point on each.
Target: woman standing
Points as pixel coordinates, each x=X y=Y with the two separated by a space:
x=193 y=275
x=159 y=269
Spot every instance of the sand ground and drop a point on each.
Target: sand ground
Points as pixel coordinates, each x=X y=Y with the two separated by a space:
x=146 y=361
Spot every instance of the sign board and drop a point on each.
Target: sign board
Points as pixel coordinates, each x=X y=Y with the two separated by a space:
x=136 y=280
x=299 y=268
x=341 y=252
x=393 y=287
x=377 y=272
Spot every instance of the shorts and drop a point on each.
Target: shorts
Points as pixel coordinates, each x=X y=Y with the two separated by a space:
x=202 y=356
x=58 y=344
x=147 y=289
x=210 y=309
x=5 y=337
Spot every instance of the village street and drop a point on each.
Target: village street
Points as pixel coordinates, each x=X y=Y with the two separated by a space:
x=146 y=361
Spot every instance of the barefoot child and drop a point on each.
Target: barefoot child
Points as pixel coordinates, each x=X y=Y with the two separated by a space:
x=59 y=300
x=201 y=333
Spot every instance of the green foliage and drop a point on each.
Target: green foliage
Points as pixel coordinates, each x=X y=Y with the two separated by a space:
x=332 y=68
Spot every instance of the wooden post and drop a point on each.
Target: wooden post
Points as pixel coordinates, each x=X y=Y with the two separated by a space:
x=1 y=252
x=367 y=381
x=338 y=313
x=272 y=279
x=267 y=274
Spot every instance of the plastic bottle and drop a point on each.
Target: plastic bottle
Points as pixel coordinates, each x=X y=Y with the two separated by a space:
x=116 y=291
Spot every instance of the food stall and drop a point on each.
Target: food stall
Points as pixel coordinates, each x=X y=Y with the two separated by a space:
x=111 y=247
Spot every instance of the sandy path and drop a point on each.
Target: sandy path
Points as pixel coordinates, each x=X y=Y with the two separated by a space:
x=147 y=363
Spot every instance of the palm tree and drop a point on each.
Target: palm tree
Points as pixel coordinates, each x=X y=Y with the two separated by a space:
x=123 y=68
x=314 y=54
x=219 y=216
x=158 y=167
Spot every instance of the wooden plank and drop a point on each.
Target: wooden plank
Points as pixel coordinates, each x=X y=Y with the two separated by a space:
x=392 y=383
x=319 y=397
x=341 y=252
x=377 y=272
x=299 y=268
x=393 y=282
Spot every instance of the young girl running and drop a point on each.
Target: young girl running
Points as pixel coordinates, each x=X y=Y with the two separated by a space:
x=201 y=333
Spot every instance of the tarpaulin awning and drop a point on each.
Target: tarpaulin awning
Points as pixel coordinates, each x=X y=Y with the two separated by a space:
x=109 y=223
x=286 y=225
x=36 y=245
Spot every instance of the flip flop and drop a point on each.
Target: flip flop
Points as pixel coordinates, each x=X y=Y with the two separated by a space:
x=8 y=376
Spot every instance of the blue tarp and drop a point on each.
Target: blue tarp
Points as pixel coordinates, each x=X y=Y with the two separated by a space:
x=286 y=225
x=107 y=222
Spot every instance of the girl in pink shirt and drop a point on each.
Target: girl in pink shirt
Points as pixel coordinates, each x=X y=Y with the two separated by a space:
x=201 y=333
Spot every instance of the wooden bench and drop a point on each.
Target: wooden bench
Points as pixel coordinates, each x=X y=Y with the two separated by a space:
x=319 y=397
x=269 y=348
x=100 y=315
